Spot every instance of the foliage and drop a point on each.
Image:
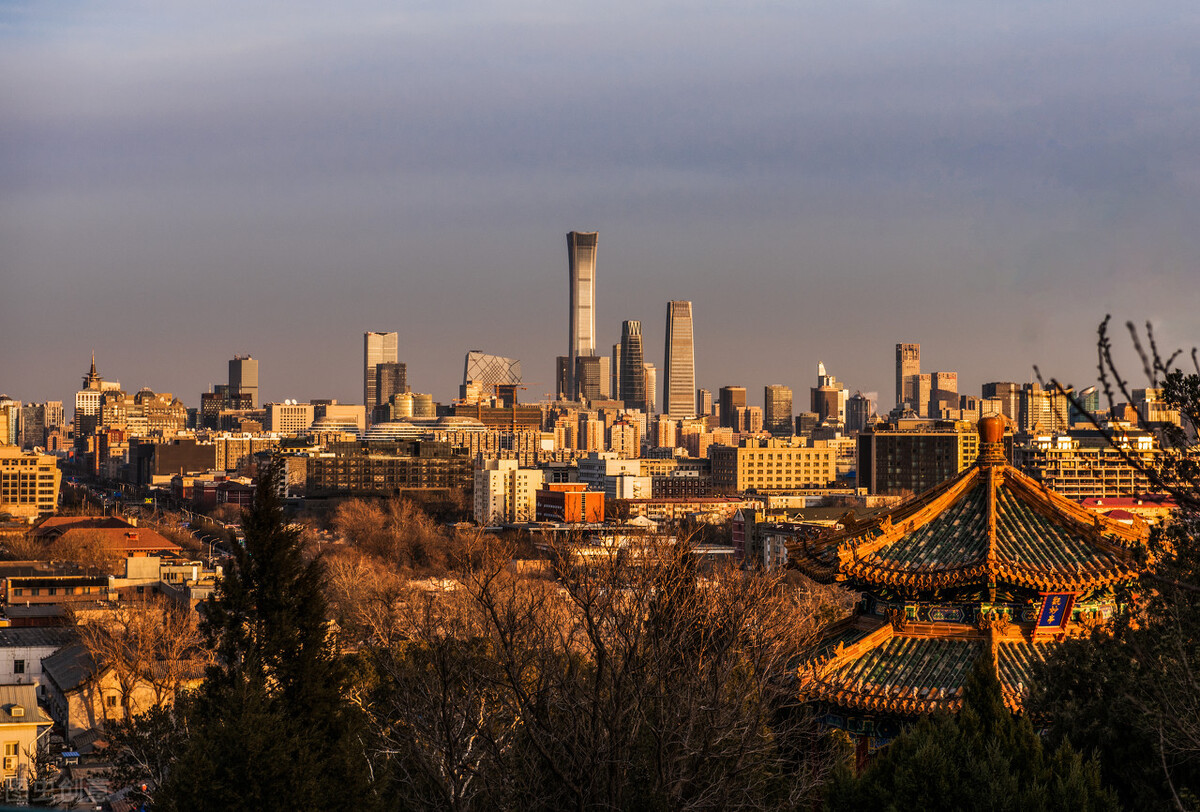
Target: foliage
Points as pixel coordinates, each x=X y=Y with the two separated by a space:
x=985 y=758
x=1132 y=691
x=270 y=728
x=142 y=750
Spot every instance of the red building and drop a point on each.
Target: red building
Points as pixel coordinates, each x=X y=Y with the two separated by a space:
x=569 y=502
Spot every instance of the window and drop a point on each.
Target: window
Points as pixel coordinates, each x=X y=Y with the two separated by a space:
x=10 y=756
x=18 y=666
x=111 y=700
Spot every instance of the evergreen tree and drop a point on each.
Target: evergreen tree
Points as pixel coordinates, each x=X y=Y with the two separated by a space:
x=983 y=759
x=270 y=728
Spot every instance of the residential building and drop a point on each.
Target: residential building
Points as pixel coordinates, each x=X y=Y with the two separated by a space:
x=679 y=381
x=369 y=468
x=505 y=492
x=22 y=650
x=22 y=726
x=29 y=483
x=1084 y=464
x=378 y=348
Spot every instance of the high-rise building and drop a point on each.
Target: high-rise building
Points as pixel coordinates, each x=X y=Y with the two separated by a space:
x=615 y=387
x=243 y=378
x=679 y=383
x=704 y=402
x=633 y=366
x=777 y=410
x=731 y=398
x=908 y=364
x=581 y=258
x=944 y=393
x=390 y=379
x=489 y=370
x=378 y=348
x=858 y=412
x=87 y=403
x=1042 y=411
x=651 y=373
x=587 y=378
x=1009 y=395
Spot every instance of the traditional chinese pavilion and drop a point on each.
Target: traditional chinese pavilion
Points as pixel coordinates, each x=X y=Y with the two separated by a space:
x=989 y=562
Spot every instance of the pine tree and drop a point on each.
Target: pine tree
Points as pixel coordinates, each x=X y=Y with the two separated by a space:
x=983 y=759
x=270 y=729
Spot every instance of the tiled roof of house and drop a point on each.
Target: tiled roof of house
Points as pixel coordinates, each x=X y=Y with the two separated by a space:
x=25 y=698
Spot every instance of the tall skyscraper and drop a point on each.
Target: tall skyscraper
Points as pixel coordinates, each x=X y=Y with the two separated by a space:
x=633 y=368
x=704 y=402
x=651 y=373
x=908 y=364
x=615 y=387
x=777 y=410
x=581 y=257
x=378 y=348
x=243 y=378
x=679 y=383
x=390 y=379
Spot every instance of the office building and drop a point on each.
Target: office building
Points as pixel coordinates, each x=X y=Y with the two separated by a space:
x=289 y=417
x=243 y=379
x=704 y=403
x=731 y=399
x=944 y=392
x=772 y=465
x=87 y=403
x=651 y=373
x=896 y=460
x=679 y=381
x=616 y=371
x=581 y=258
x=390 y=379
x=633 y=366
x=490 y=370
x=777 y=410
x=1042 y=411
x=1009 y=395
x=858 y=412
x=908 y=364
x=587 y=378
x=378 y=348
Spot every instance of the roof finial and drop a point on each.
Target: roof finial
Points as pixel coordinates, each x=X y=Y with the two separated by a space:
x=93 y=372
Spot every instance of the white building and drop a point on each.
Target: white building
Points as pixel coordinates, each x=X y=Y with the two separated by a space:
x=504 y=492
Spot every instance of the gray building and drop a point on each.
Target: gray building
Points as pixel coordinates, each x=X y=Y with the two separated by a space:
x=243 y=378
x=633 y=366
x=581 y=258
x=378 y=348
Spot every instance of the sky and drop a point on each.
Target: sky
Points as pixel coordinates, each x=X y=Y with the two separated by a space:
x=180 y=182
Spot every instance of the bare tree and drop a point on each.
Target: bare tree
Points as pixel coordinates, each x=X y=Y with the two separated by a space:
x=630 y=678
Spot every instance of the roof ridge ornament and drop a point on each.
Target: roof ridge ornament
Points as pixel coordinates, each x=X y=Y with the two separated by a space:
x=991 y=442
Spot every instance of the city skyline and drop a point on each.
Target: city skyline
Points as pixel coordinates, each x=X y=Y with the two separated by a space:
x=853 y=177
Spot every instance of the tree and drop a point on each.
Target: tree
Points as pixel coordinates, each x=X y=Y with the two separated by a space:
x=1132 y=691
x=983 y=758
x=270 y=728
x=626 y=680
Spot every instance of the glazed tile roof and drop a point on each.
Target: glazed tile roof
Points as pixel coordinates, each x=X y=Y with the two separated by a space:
x=990 y=524
x=908 y=675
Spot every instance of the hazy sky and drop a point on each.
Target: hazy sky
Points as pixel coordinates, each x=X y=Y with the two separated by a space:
x=183 y=181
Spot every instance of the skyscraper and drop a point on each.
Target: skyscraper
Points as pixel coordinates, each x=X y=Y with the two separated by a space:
x=581 y=257
x=633 y=369
x=651 y=373
x=731 y=399
x=243 y=378
x=777 y=410
x=679 y=383
x=378 y=348
x=908 y=364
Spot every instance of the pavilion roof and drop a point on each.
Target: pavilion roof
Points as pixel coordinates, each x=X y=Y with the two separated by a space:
x=990 y=524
